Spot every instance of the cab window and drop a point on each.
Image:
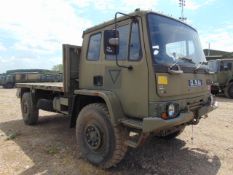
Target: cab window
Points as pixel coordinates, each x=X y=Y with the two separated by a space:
x=123 y=44
x=135 y=46
x=180 y=49
x=93 y=52
x=225 y=66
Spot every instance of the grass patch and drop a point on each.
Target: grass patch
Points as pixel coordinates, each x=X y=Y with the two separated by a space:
x=11 y=135
x=52 y=150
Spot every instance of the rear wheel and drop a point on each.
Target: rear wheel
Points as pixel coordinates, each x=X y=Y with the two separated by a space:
x=98 y=140
x=29 y=109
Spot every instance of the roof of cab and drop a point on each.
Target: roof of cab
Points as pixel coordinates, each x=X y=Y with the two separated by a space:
x=221 y=59
x=225 y=59
x=137 y=12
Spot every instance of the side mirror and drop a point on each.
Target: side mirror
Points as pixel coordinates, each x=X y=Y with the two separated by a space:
x=111 y=42
x=114 y=41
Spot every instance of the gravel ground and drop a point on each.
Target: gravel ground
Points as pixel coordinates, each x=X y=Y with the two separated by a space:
x=50 y=148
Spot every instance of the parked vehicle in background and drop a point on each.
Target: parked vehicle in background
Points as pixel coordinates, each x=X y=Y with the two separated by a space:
x=11 y=77
x=143 y=73
x=9 y=81
x=223 y=77
x=2 y=79
x=55 y=77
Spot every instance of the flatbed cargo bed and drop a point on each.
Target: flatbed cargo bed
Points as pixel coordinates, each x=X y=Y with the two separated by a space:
x=49 y=86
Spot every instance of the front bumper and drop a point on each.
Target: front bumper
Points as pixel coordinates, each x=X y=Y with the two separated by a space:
x=155 y=124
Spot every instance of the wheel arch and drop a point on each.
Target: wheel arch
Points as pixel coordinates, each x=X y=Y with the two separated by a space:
x=21 y=91
x=230 y=81
x=82 y=98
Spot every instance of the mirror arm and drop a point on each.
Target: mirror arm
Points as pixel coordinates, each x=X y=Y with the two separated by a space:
x=115 y=26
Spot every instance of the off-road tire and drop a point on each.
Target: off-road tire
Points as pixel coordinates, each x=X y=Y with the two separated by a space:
x=229 y=91
x=173 y=135
x=111 y=147
x=29 y=110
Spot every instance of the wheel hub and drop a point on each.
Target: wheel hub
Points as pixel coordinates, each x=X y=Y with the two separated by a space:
x=93 y=136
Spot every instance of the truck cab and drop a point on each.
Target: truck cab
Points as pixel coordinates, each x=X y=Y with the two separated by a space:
x=2 y=79
x=223 y=77
x=165 y=58
x=143 y=73
x=9 y=81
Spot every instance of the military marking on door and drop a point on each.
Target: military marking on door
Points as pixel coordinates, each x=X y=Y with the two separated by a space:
x=114 y=74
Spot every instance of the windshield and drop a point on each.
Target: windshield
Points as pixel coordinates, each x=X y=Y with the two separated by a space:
x=174 y=42
x=213 y=66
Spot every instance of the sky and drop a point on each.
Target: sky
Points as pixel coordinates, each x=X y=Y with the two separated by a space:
x=33 y=31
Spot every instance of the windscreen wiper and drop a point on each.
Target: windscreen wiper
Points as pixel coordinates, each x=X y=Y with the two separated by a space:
x=186 y=59
x=182 y=58
x=204 y=63
x=179 y=71
x=199 y=66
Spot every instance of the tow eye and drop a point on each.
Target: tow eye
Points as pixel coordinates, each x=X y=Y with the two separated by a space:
x=195 y=121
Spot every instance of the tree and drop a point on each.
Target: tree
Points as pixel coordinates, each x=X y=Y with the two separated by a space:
x=58 y=68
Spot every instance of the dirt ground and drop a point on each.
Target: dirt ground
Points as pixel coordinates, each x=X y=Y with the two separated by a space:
x=50 y=147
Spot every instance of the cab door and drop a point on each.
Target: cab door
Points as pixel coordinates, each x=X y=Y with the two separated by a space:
x=225 y=72
x=130 y=85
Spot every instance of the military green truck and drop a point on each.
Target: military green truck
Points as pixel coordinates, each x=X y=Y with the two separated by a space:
x=139 y=75
x=51 y=77
x=11 y=77
x=2 y=79
x=17 y=75
x=223 y=77
x=8 y=81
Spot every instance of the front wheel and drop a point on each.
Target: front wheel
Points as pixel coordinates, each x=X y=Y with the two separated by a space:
x=98 y=140
x=229 y=91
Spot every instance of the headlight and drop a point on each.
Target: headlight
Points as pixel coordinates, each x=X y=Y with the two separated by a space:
x=171 y=110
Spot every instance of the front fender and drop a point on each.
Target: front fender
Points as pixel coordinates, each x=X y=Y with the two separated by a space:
x=112 y=101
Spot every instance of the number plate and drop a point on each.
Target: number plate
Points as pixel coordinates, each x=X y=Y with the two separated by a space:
x=195 y=83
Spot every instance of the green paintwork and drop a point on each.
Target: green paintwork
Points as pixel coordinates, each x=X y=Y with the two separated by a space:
x=152 y=124
x=222 y=77
x=157 y=124
x=114 y=106
x=137 y=89
x=2 y=79
x=133 y=95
